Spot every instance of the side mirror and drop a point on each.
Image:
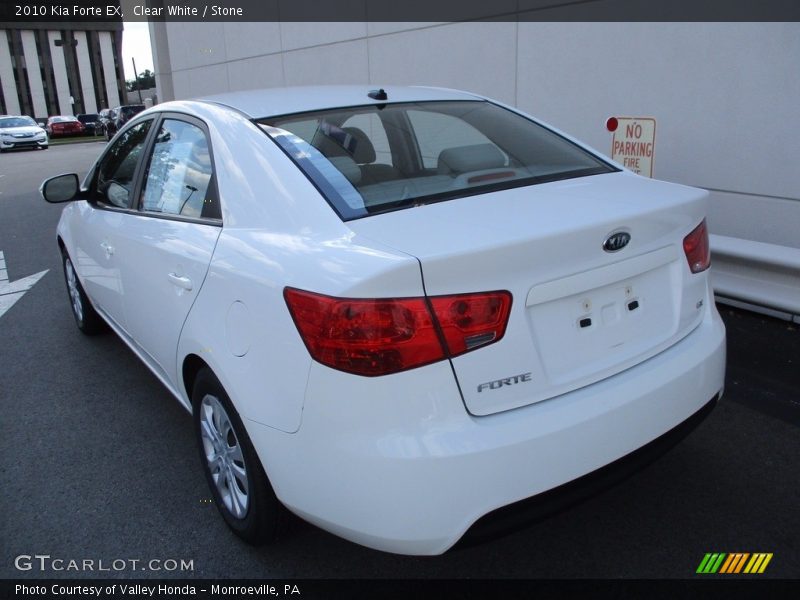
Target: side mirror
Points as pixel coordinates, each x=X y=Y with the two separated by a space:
x=62 y=188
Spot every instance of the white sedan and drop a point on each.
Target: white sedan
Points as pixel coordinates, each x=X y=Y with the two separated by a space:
x=395 y=311
x=21 y=132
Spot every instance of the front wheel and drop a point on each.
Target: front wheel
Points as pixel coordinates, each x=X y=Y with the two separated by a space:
x=240 y=487
x=86 y=317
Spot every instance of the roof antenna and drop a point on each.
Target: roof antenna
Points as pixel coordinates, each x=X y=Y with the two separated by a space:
x=378 y=94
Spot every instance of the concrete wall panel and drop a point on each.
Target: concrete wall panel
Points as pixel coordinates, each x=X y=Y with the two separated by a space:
x=304 y=35
x=341 y=63
x=85 y=70
x=255 y=73
x=7 y=76
x=107 y=54
x=725 y=107
x=34 y=74
x=60 y=73
x=246 y=40
x=478 y=57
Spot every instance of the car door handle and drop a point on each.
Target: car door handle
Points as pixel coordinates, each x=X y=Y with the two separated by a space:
x=181 y=282
x=108 y=248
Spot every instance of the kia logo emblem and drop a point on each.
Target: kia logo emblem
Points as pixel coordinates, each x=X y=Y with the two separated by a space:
x=616 y=241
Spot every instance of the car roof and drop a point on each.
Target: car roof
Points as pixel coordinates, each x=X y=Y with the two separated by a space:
x=272 y=102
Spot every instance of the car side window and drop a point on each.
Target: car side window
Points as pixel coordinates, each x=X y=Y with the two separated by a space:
x=179 y=177
x=116 y=170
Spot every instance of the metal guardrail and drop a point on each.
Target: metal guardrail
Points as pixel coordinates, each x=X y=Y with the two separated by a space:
x=756 y=273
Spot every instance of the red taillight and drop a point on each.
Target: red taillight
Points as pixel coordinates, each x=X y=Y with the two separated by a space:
x=695 y=245
x=380 y=336
x=469 y=321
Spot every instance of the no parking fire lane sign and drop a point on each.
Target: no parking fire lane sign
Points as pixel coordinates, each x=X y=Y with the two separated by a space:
x=634 y=143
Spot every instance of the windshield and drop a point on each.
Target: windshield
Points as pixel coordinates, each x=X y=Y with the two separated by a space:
x=16 y=122
x=371 y=159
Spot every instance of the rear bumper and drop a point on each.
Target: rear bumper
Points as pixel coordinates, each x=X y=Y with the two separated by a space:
x=397 y=464
x=509 y=518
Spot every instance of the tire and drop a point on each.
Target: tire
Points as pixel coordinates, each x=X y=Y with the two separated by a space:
x=86 y=317
x=238 y=483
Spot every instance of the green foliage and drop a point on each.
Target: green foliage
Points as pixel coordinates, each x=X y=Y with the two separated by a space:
x=147 y=79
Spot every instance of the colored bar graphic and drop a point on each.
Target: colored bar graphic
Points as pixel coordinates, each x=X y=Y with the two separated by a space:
x=758 y=563
x=711 y=562
x=741 y=562
x=732 y=558
x=732 y=563
x=703 y=564
x=717 y=564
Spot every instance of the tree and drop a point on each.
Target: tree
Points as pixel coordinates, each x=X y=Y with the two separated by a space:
x=147 y=79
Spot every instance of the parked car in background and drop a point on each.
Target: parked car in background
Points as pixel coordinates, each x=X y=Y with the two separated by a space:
x=395 y=311
x=63 y=125
x=102 y=120
x=21 y=132
x=119 y=116
x=90 y=122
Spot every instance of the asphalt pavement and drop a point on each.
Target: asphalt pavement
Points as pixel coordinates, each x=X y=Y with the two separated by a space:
x=98 y=461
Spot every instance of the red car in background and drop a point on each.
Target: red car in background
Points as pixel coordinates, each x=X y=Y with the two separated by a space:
x=63 y=126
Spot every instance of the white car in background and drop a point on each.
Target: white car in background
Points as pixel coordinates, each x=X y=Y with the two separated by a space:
x=395 y=311
x=21 y=132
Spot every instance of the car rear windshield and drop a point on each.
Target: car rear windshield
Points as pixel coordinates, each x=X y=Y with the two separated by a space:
x=371 y=159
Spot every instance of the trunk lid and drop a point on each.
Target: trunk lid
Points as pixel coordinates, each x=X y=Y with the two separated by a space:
x=579 y=313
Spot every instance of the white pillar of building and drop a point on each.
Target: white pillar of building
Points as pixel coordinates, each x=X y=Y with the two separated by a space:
x=60 y=72
x=162 y=64
x=34 y=74
x=107 y=54
x=85 y=70
x=7 y=76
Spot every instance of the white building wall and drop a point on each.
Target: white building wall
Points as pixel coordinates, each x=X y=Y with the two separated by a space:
x=725 y=95
x=107 y=56
x=726 y=109
x=7 y=76
x=85 y=70
x=34 y=74
x=60 y=73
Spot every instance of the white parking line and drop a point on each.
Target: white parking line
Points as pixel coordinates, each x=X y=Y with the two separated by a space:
x=10 y=292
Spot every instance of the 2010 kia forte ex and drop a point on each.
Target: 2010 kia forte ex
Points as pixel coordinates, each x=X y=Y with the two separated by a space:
x=395 y=311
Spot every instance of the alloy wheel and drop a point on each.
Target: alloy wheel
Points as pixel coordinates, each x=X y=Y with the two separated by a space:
x=224 y=456
x=74 y=290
